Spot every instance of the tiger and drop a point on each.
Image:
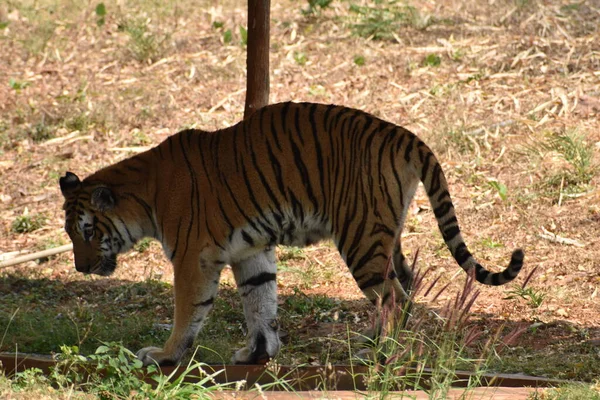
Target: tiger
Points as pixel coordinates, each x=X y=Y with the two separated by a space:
x=291 y=174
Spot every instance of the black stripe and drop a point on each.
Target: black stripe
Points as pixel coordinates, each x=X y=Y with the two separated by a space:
x=461 y=254
x=425 y=167
x=318 y=149
x=204 y=303
x=409 y=147
x=146 y=208
x=368 y=256
x=247 y=238
x=297 y=125
x=376 y=279
x=450 y=233
x=194 y=188
x=276 y=166
x=260 y=279
x=435 y=184
x=443 y=209
x=304 y=174
x=176 y=240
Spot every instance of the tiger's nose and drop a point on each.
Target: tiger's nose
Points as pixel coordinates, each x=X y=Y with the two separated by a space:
x=80 y=267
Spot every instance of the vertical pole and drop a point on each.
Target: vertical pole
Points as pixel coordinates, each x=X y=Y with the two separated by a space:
x=257 y=56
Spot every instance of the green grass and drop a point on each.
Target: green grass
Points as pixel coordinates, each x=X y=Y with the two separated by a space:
x=28 y=223
x=572 y=391
x=110 y=372
x=144 y=44
x=382 y=20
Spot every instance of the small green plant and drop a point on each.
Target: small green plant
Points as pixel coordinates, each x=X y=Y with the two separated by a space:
x=139 y=138
x=17 y=85
x=244 y=36
x=573 y=148
x=316 y=6
x=500 y=188
x=300 y=58
x=79 y=122
x=144 y=45
x=359 y=60
x=28 y=223
x=490 y=243
x=100 y=14
x=142 y=245
x=432 y=60
x=317 y=306
x=534 y=297
x=383 y=19
x=227 y=36
x=291 y=253
x=40 y=132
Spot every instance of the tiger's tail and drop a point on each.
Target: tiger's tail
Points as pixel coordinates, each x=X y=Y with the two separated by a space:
x=431 y=175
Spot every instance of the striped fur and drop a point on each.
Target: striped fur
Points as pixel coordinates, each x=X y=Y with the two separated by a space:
x=290 y=174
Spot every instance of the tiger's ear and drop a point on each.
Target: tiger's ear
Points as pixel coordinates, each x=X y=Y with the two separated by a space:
x=103 y=199
x=69 y=183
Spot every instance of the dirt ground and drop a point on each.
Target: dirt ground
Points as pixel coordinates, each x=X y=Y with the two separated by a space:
x=491 y=86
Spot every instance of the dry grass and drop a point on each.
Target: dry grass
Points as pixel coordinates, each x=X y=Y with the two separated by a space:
x=76 y=95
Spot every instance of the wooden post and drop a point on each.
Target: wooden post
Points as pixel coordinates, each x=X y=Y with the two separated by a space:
x=257 y=56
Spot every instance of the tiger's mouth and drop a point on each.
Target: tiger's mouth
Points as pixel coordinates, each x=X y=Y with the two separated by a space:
x=105 y=267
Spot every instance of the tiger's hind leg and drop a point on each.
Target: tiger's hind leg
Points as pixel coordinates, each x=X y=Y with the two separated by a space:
x=371 y=263
x=256 y=281
x=404 y=272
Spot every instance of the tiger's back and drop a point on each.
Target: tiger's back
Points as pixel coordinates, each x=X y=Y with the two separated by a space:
x=290 y=174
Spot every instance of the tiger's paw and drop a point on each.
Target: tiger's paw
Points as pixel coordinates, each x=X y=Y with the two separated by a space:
x=155 y=355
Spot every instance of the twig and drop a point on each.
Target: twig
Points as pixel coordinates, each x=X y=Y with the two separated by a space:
x=553 y=237
x=482 y=130
x=35 y=256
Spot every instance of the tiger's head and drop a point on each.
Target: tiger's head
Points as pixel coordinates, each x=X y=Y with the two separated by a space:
x=89 y=210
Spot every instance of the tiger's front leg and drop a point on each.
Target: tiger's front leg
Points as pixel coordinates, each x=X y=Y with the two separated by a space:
x=256 y=281
x=195 y=289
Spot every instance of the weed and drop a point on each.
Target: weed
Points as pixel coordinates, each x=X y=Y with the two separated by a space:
x=383 y=19
x=573 y=148
x=432 y=60
x=142 y=245
x=79 y=122
x=40 y=132
x=26 y=223
x=227 y=36
x=577 y=156
x=17 y=85
x=534 y=298
x=300 y=58
x=100 y=14
x=139 y=138
x=318 y=306
x=572 y=391
x=316 y=6
x=291 y=253
x=359 y=60
x=143 y=44
x=490 y=243
x=403 y=348
x=244 y=36
x=37 y=42
x=500 y=188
